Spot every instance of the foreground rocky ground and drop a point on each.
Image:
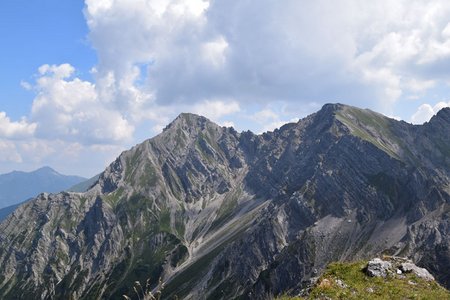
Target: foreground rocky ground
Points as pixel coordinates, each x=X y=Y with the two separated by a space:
x=385 y=278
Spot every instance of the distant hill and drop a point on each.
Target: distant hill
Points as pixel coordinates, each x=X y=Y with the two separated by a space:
x=5 y=211
x=17 y=186
x=84 y=185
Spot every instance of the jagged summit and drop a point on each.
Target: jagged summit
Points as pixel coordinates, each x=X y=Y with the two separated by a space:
x=188 y=120
x=443 y=116
x=219 y=214
x=445 y=110
x=332 y=108
x=329 y=111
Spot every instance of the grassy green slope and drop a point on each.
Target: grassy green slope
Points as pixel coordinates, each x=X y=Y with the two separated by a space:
x=372 y=127
x=348 y=281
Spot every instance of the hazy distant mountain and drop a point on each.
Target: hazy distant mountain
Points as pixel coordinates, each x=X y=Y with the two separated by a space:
x=84 y=185
x=219 y=214
x=19 y=186
x=6 y=211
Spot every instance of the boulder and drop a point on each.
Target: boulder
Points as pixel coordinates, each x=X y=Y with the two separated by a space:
x=378 y=267
x=419 y=272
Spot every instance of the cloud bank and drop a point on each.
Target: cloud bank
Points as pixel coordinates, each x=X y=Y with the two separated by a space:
x=177 y=52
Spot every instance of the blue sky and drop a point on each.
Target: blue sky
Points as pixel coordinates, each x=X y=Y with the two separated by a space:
x=34 y=33
x=81 y=81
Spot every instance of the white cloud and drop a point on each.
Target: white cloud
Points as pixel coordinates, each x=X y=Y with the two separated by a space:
x=58 y=71
x=277 y=124
x=426 y=111
x=66 y=157
x=214 y=52
x=36 y=150
x=155 y=53
x=8 y=152
x=69 y=109
x=265 y=115
x=227 y=124
x=215 y=109
x=418 y=86
x=14 y=130
x=269 y=120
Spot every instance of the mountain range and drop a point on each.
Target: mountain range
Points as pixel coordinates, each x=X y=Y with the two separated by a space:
x=218 y=214
x=18 y=186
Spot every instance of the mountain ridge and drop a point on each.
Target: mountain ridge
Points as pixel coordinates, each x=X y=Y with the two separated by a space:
x=18 y=186
x=220 y=214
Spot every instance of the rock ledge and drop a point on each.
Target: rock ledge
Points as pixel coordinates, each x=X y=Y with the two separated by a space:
x=395 y=266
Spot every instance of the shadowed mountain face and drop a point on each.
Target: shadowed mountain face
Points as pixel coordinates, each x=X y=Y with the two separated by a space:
x=17 y=186
x=219 y=214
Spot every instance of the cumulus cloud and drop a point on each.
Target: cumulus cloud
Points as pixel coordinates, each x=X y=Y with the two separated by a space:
x=213 y=52
x=69 y=109
x=155 y=53
x=269 y=120
x=130 y=36
x=265 y=115
x=15 y=130
x=215 y=109
x=227 y=124
x=66 y=157
x=426 y=111
x=8 y=152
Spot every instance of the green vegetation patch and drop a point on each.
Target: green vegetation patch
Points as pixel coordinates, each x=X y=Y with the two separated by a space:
x=227 y=208
x=358 y=121
x=179 y=224
x=143 y=261
x=349 y=281
x=164 y=221
x=114 y=198
x=131 y=165
x=149 y=176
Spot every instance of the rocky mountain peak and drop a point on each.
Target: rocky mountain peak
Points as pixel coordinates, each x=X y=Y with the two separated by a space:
x=436 y=139
x=189 y=121
x=331 y=108
x=221 y=215
x=443 y=116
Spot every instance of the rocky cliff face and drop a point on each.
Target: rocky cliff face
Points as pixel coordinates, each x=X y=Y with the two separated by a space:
x=219 y=214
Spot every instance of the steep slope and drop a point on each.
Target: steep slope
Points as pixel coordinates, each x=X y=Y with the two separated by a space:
x=220 y=214
x=19 y=186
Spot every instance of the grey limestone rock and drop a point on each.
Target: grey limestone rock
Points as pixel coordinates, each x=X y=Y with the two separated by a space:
x=396 y=266
x=378 y=268
x=409 y=267
x=218 y=214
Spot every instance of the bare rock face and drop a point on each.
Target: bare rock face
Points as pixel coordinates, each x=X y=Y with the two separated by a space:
x=218 y=214
x=409 y=267
x=395 y=266
x=378 y=268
